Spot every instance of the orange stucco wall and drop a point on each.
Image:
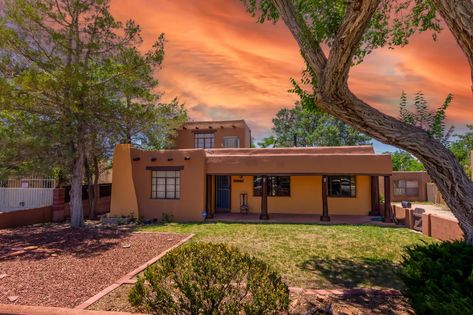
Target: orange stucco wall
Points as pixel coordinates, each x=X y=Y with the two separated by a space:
x=124 y=201
x=306 y=197
x=192 y=188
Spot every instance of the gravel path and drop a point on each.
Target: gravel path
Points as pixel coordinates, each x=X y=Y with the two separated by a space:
x=53 y=265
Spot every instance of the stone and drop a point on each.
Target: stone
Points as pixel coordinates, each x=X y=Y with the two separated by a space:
x=30 y=247
x=13 y=298
x=3 y=275
x=126 y=246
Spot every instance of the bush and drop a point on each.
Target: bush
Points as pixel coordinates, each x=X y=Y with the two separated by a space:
x=438 y=278
x=209 y=279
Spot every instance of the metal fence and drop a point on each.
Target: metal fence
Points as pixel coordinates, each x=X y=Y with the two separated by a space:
x=24 y=198
x=29 y=182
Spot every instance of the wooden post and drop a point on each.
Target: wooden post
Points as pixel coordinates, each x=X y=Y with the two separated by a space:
x=209 y=197
x=374 y=196
x=264 y=198
x=324 y=217
x=387 y=199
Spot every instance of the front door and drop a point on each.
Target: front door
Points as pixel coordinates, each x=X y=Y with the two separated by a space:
x=222 y=193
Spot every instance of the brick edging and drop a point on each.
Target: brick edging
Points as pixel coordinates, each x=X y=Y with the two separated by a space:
x=127 y=279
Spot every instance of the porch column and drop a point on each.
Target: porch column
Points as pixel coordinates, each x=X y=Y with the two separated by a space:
x=374 y=196
x=387 y=199
x=324 y=217
x=208 y=198
x=264 y=198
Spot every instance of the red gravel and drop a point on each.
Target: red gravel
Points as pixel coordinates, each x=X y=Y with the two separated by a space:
x=69 y=266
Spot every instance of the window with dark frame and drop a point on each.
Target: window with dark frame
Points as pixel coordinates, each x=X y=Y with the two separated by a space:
x=165 y=184
x=204 y=140
x=408 y=188
x=342 y=186
x=278 y=186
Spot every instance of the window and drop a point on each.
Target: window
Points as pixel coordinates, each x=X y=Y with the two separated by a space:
x=231 y=142
x=341 y=186
x=165 y=184
x=404 y=187
x=204 y=140
x=277 y=185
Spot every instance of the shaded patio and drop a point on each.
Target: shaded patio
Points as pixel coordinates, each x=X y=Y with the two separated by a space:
x=298 y=219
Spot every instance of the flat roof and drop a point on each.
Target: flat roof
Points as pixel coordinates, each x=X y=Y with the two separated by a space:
x=362 y=149
x=215 y=124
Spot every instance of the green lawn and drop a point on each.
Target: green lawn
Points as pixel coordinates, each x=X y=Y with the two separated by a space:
x=314 y=256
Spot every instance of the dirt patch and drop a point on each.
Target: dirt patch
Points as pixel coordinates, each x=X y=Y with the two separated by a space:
x=308 y=304
x=53 y=265
x=116 y=301
x=350 y=305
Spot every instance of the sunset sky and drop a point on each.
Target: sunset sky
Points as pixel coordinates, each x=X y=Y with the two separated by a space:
x=224 y=65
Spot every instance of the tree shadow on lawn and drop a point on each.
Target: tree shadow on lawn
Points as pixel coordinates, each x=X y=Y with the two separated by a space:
x=41 y=241
x=354 y=272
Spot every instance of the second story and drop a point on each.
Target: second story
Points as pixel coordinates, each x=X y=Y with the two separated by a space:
x=213 y=134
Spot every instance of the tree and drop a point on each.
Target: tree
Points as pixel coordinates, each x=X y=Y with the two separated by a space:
x=404 y=161
x=352 y=29
x=70 y=67
x=303 y=127
x=431 y=121
x=462 y=148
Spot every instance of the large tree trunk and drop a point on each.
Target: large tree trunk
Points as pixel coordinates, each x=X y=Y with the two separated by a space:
x=77 y=215
x=334 y=96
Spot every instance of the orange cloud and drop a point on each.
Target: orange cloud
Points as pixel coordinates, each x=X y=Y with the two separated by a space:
x=224 y=65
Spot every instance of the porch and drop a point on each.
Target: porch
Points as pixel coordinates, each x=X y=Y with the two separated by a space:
x=304 y=198
x=282 y=218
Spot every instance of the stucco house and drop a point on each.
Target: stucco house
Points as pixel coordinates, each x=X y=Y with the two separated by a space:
x=214 y=170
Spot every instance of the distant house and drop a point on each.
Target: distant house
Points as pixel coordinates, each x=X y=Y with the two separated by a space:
x=214 y=170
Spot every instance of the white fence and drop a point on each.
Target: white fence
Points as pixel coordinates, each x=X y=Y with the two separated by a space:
x=29 y=182
x=24 y=198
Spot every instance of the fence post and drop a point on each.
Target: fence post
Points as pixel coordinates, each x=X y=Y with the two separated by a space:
x=58 y=204
x=426 y=225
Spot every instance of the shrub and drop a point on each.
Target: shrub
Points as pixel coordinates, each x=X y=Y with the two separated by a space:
x=438 y=278
x=209 y=279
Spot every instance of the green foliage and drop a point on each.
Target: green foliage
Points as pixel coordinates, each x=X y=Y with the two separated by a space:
x=392 y=25
x=304 y=127
x=73 y=79
x=210 y=279
x=462 y=148
x=431 y=121
x=404 y=161
x=439 y=278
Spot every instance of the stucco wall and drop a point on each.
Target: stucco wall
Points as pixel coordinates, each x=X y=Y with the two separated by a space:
x=25 y=217
x=422 y=177
x=192 y=188
x=185 y=137
x=306 y=197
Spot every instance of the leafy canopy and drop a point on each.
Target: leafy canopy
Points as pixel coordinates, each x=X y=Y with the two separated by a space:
x=304 y=127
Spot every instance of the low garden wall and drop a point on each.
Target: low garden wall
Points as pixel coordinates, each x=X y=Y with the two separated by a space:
x=18 y=218
x=445 y=229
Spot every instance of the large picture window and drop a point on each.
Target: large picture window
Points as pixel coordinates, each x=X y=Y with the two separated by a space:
x=277 y=185
x=404 y=187
x=204 y=140
x=165 y=184
x=341 y=186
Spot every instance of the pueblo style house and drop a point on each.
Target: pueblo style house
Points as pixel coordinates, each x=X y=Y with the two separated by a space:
x=213 y=170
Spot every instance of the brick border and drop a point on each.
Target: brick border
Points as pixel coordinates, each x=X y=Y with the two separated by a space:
x=127 y=279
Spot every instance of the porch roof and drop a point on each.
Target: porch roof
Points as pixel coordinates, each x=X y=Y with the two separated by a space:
x=360 y=160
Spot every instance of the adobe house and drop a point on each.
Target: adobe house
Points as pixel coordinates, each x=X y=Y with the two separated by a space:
x=214 y=170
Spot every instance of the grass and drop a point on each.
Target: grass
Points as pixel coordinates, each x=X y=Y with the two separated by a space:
x=314 y=256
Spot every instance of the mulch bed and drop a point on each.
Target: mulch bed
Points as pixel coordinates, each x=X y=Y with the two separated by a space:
x=53 y=265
